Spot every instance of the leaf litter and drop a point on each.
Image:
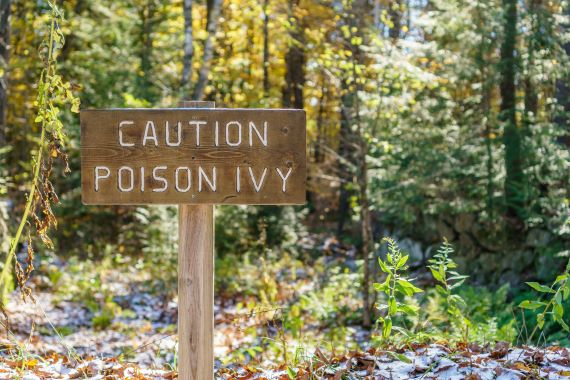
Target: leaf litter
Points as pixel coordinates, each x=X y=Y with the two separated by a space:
x=90 y=354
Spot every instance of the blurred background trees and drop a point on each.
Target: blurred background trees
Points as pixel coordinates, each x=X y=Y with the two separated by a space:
x=426 y=119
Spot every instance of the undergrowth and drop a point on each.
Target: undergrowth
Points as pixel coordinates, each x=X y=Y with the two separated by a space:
x=285 y=304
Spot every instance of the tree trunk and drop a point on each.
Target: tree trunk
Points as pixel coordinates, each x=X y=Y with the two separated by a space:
x=563 y=94
x=4 y=59
x=345 y=143
x=345 y=152
x=265 y=49
x=214 y=7
x=295 y=64
x=512 y=138
x=395 y=12
x=362 y=174
x=376 y=14
x=530 y=95
x=292 y=92
x=362 y=179
x=319 y=155
x=188 y=47
x=366 y=229
x=146 y=17
x=353 y=149
x=486 y=95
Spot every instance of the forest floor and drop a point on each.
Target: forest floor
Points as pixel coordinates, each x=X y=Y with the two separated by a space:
x=60 y=337
x=94 y=356
x=143 y=346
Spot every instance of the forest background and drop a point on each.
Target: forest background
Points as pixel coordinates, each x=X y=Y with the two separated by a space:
x=427 y=119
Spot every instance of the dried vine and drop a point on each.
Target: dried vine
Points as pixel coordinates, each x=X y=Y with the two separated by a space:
x=52 y=93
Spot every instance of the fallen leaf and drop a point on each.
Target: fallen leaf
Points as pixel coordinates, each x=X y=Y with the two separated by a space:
x=520 y=366
x=500 y=351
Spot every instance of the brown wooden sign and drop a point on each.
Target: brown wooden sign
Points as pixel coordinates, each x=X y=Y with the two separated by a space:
x=193 y=156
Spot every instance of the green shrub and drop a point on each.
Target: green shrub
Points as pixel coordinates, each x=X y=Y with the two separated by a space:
x=240 y=229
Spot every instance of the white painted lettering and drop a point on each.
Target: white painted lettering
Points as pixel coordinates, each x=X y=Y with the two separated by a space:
x=158 y=178
x=284 y=177
x=202 y=176
x=179 y=133
x=98 y=176
x=217 y=134
x=232 y=123
x=238 y=180
x=131 y=179
x=197 y=124
x=256 y=185
x=252 y=128
x=188 y=180
x=121 y=125
x=148 y=135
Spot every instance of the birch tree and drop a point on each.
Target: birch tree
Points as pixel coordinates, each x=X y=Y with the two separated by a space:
x=214 y=7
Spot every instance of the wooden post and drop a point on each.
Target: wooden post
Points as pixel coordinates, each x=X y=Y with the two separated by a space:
x=196 y=286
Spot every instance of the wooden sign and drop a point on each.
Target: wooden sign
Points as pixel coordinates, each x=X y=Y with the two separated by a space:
x=193 y=156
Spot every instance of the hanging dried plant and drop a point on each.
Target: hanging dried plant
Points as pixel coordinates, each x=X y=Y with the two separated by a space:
x=53 y=92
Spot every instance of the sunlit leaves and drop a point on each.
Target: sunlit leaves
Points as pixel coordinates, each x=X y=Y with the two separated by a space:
x=540 y=288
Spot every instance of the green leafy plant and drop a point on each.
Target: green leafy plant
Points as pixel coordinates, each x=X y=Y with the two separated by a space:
x=396 y=287
x=558 y=292
x=441 y=267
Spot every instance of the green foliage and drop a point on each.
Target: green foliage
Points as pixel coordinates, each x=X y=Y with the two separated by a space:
x=437 y=144
x=90 y=283
x=553 y=307
x=241 y=229
x=412 y=112
x=157 y=236
x=396 y=286
x=104 y=318
x=428 y=111
x=490 y=313
x=487 y=317
x=441 y=267
x=335 y=302
x=305 y=294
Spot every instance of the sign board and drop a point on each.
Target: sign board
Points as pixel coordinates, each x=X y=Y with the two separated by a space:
x=193 y=156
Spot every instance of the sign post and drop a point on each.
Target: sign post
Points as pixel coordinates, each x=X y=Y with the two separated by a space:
x=196 y=286
x=194 y=156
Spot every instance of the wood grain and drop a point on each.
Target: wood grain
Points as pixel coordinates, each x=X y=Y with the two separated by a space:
x=286 y=149
x=196 y=231
x=196 y=292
